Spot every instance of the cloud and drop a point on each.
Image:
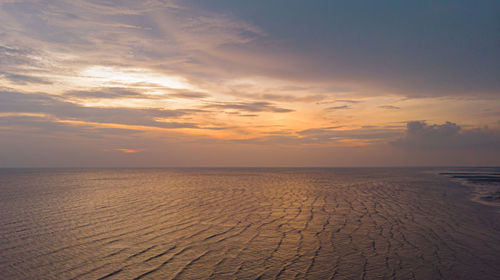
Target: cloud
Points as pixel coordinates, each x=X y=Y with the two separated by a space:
x=124 y=93
x=216 y=43
x=384 y=47
x=341 y=107
x=389 y=107
x=339 y=101
x=420 y=135
x=364 y=133
x=21 y=65
x=324 y=137
x=335 y=135
x=38 y=124
x=123 y=68
x=153 y=34
x=14 y=102
x=189 y=95
x=250 y=107
x=14 y=56
x=106 y=93
x=23 y=79
x=128 y=151
x=348 y=101
x=280 y=97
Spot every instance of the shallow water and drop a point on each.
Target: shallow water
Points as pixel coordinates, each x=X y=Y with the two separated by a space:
x=243 y=224
x=484 y=182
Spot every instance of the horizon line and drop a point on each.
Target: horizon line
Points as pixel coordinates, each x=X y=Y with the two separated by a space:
x=243 y=167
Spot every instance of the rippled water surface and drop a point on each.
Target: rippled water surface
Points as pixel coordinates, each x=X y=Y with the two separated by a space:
x=243 y=224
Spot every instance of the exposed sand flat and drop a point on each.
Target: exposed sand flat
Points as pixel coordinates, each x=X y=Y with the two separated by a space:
x=243 y=224
x=485 y=183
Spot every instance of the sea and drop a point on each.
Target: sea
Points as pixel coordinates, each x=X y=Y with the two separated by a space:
x=250 y=223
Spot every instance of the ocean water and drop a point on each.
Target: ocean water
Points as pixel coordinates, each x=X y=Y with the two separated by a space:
x=273 y=223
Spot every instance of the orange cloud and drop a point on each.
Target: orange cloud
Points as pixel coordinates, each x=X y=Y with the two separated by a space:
x=128 y=151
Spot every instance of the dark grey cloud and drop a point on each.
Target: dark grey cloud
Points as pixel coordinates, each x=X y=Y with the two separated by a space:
x=189 y=95
x=23 y=79
x=106 y=93
x=21 y=65
x=327 y=135
x=339 y=101
x=312 y=131
x=420 y=135
x=13 y=56
x=250 y=107
x=14 y=102
x=338 y=107
x=239 y=114
x=282 y=97
x=364 y=133
x=30 y=125
x=390 y=107
x=117 y=92
x=9 y=51
x=348 y=101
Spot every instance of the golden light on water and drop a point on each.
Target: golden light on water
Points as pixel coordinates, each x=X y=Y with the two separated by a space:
x=171 y=139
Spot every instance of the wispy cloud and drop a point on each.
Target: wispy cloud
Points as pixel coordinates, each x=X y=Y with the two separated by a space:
x=189 y=95
x=348 y=101
x=64 y=110
x=23 y=79
x=106 y=93
x=232 y=73
x=341 y=107
x=250 y=107
x=389 y=107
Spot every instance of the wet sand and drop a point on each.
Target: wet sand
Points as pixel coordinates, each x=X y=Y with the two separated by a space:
x=243 y=224
x=485 y=183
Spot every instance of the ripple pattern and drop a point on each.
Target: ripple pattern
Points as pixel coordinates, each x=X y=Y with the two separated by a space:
x=243 y=224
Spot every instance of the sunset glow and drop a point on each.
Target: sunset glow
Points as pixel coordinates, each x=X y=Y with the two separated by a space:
x=140 y=78
x=128 y=151
x=228 y=79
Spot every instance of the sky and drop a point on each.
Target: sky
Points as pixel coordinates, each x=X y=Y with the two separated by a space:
x=155 y=83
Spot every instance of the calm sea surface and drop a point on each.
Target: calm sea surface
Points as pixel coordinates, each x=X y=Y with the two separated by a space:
x=243 y=224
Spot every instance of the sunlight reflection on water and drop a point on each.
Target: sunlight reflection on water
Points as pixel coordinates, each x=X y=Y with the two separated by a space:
x=242 y=223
